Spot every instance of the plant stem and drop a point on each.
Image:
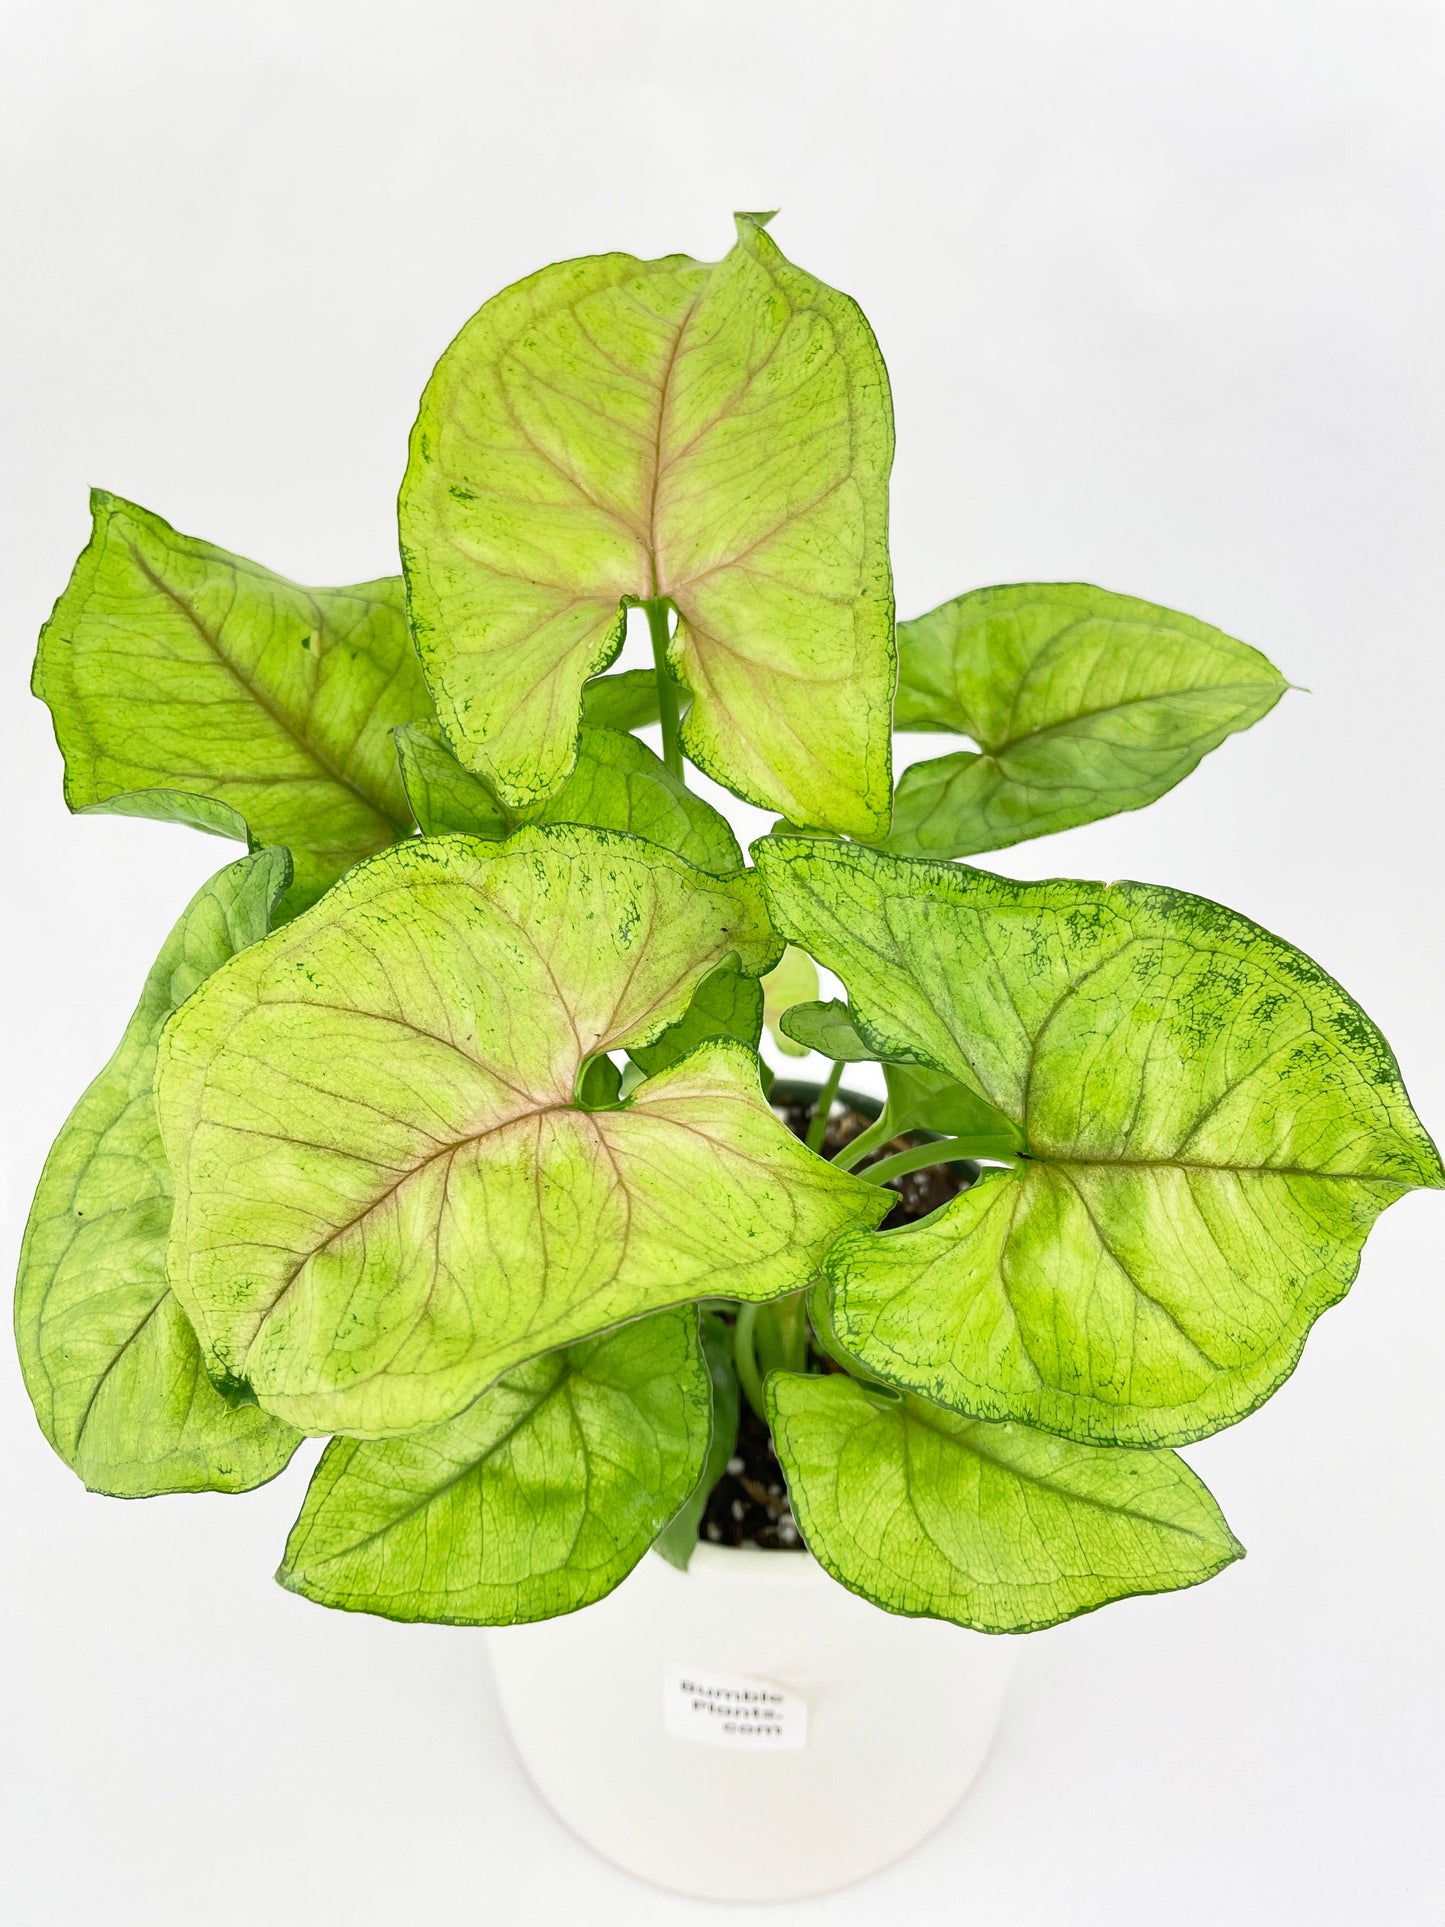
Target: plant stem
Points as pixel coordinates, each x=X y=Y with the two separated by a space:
x=865 y=1142
x=947 y=1150
x=667 y=709
x=745 y=1359
x=822 y=1110
x=780 y=1337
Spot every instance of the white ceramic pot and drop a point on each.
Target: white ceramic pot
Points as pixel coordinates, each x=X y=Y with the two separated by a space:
x=748 y=1730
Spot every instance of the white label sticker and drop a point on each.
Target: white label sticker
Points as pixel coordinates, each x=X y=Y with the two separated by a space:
x=730 y=1709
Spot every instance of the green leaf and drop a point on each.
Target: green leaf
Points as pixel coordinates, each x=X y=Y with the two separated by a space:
x=170 y=665
x=110 y=1361
x=612 y=430
x=387 y=1194
x=627 y=700
x=443 y=796
x=539 y=1498
x=1082 y=703
x=1212 y=1126
x=827 y=1028
x=618 y=784
x=725 y=1004
x=202 y=813
x=599 y=1087
x=794 y=981
x=678 y=1540
x=918 y=1099
x=923 y=1100
x=991 y=1526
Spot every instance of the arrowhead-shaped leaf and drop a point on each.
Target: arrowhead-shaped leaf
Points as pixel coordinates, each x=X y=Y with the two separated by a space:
x=992 y=1526
x=539 y=1498
x=170 y=665
x=1082 y=703
x=109 y=1357
x=720 y=436
x=1211 y=1128
x=387 y=1191
x=618 y=784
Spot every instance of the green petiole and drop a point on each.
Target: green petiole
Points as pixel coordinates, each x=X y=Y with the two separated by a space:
x=769 y=1338
x=667 y=709
x=946 y=1150
x=865 y=1143
x=822 y=1110
x=745 y=1360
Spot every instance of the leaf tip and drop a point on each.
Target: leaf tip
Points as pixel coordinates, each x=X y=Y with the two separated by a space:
x=291 y=1578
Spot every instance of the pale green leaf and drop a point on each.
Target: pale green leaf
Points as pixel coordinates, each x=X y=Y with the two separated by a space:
x=794 y=981
x=539 y=1498
x=109 y=1358
x=1211 y=1127
x=618 y=784
x=626 y=700
x=1082 y=703
x=725 y=1004
x=678 y=1541
x=170 y=665
x=992 y=1526
x=716 y=435
x=387 y=1193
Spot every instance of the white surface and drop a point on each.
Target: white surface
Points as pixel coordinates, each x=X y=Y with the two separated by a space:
x=1160 y=287
x=882 y=1724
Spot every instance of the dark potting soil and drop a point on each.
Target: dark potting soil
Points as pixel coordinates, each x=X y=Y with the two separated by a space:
x=749 y=1504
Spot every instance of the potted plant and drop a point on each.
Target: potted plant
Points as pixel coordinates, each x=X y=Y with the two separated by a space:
x=440 y=1129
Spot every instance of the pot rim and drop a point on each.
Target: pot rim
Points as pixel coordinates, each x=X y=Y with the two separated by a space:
x=774 y=1566
x=784 y=1087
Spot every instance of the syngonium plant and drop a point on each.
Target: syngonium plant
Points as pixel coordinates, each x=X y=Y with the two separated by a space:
x=440 y=1128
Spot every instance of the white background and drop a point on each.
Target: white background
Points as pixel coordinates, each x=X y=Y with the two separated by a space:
x=1160 y=289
